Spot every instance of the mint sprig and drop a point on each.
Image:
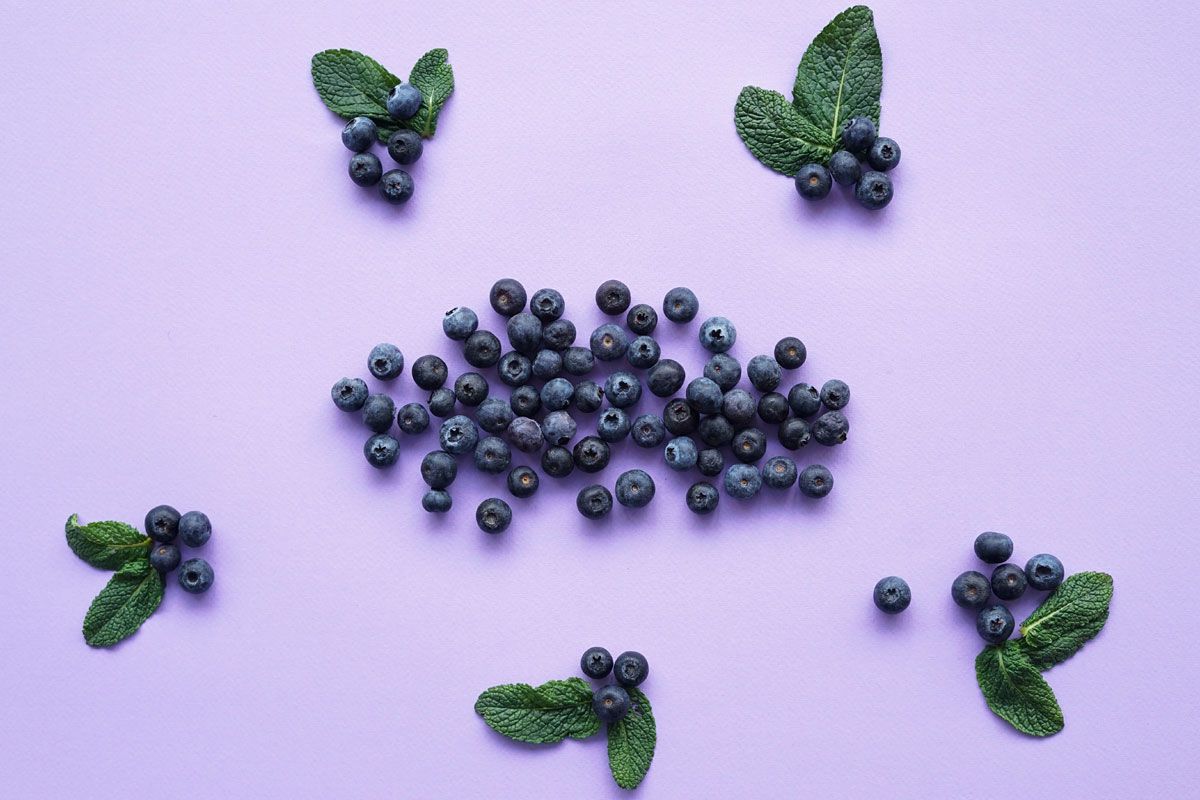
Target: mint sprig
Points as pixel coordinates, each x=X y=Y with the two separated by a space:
x=1016 y=691
x=631 y=741
x=107 y=544
x=131 y=596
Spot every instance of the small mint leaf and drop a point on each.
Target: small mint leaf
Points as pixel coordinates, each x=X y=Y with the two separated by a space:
x=1066 y=620
x=841 y=73
x=433 y=75
x=107 y=544
x=776 y=133
x=130 y=597
x=1016 y=692
x=353 y=85
x=631 y=742
x=549 y=713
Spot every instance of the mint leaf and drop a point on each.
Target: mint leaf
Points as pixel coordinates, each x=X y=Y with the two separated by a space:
x=434 y=77
x=776 y=133
x=107 y=545
x=1067 y=619
x=353 y=85
x=550 y=713
x=841 y=73
x=1016 y=692
x=131 y=596
x=631 y=742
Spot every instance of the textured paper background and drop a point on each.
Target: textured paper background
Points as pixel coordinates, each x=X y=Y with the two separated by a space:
x=187 y=270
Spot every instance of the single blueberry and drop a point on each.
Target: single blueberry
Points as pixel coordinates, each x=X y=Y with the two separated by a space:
x=429 y=372
x=971 y=590
x=557 y=462
x=609 y=342
x=459 y=322
x=613 y=425
x=623 y=389
x=765 y=373
x=591 y=454
x=611 y=703
x=702 y=498
x=412 y=418
x=681 y=305
x=643 y=352
x=704 y=395
x=547 y=305
x=558 y=428
x=749 y=445
x=436 y=501
x=195 y=576
x=514 y=369
x=642 y=319
x=813 y=182
x=588 y=397
x=835 y=395
x=492 y=455
x=359 y=134
x=858 y=134
x=613 y=297
x=742 y=481
x=482 y=349
x=396 y=186
x=717 y=334
x=381 y=451
x=557 y=394
x=365 y=169
x=507 y=296
x=378 y=413
x=493 y=515
x=386 y=362
x=680 y=418
x=831 y=428
x=773 y=408
x=194 y=529
x=458 y=435
x=596 y=663
x=816 y=481
x=578 y=361
x=710 y=462
x=526 y=401
x=716 y=431
x=635 y=488
x=349 y=394
x=547 y=364
x=470 y=389
x=404 y=101
x=779 y=472
x=992 y=547
x=892 y=595
x=884 y=154
x=164 y=557
x=526 y=434
x=844 y=168
x=559 y=334
x=630 y=668
x=594 y=501
x=725 y=370
x=523 y=481
x=648 y=431
x=1008 y=581
x=873 y=190
x=665 y=378
x=1043 y=572
x=805 y=400
x=790 y=352
x=995 y=624
x=525 y=332
x=405 y=146
x=794 y=433
x=739 y=407
x=680 y=453
x=494 y=414
x=438 y=469
x=441 y=402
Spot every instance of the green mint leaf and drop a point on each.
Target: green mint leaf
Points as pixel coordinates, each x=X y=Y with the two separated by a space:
x=434 y=77
x=776 y=133
x=1016 y=691
x=107 y=545
x=354 y=85
x=1067 y=619
x=631 y=742
x=550 y=713
x=841 y=74
x=131 y=596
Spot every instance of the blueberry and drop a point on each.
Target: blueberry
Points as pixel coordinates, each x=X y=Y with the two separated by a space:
x=493 y=515
x=702 y=498
x=971 y=590
x=844 y=168
x=610 y=703
x=386 y=362
x=578 y=361
x=349 y=394
x=525 y=332
x=805 y=400
x=588 y=397
x=195 y=576
x=405 y=146
x=623 y=389
x=557 y=462
x=557 y=394
x=765 y=373
x=710 y=462
x=396 y=186
x=164 y=557
x=630 y=668
x=404 y=101
x=642 y=319
x=381 y=451
x=717 y=334
x=858 y=134
x=523 y=481
x=547 y=305
x=992 y=547
x=459 y=322
x=526 y=434
x=412 y=418
x=507 y=296
x=790 y=352
x=725 y=370
x=779 y=472
x=594 y=501
x=613 y=425
x=680 y=418
x=492 y=455
x=835 y=395
x=429 y=372
x=596 y=663
x=704 y=395
x=494 y=415
x=665 y=378
x=547 y=364
x=681 y=305
x=482 y=349
x=470 y=389
x=831 y=428
x=873 y=190
x=609 y=342
x=458 y=435
x=716 y=431
x=558 y=428
x=884 y=154
x=739 y=407
x=194 y=528
x=773 y=408
x=378 y=413
x=1008 y=582
x=365 y=169
x=794 y=433
x=1043 y=572
x=526 y=401
x=613 y=297
x=816 y=481
x=680 y=453
x=514 y=369
x=436 y=501
x=359 y=134
x=749 y=445
x=892 y=595
x=643 y=352
x=591 y=454
x=438 y=469
x=995 y=624
x=742 y=481
x=648 y=431
x=441 y=402
x=635 y=488
x=813 y=182
x=559 y=334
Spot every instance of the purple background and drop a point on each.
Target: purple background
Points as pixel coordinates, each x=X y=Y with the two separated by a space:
x=187 y=270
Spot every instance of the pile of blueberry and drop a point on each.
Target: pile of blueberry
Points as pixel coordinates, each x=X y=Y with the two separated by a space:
x=872 y=187
x=549 y=394
x=611 y=702
x=164 y=525
x=404 y=146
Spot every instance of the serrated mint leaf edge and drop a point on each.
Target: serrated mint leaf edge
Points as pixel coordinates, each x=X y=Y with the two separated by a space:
x=804 y=86
x=632 y=741
x=434 y=76
x=1041 y=706
x=1046 y=654
x=759 y=116
x=493 y=713
x=87 y=542
x=105 y=626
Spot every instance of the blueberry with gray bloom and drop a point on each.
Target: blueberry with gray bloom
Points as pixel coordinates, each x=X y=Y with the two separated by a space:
x=594 y=501
x=805 y=400
x=557 y=394
x=381 y=451
x=588 y=397
x=557 y=462
x=349 y=394
x=525 y=401
x=790 y=352
x=643 y=352
x=995 y=624
x=844 y=168
x=679 y=417
x=648 y=431
x=681 y=453
x=716 y=431
x=1008 y=581
x=547 y=305
x=609 y=342
x=665 y=378
x=470 y=389
x=739 y=407
x=438 y=469
x=816 y=481
x=858 y=134
x=613 y=297
x=971 y=590
x=725 y=370
x=494 y=415
x=702 y=498
x=591 y=454
x=412 y=418
x=742 y=481
x=405 y=147
x=492 y=455
x=613 y=425
x=681 y=305
x=1044 y=572
x=873 y=190
x=558 y=428
x=892 y=595
x=386 y=362
x=704 y=395
x=523 y=481
x=482 y=349
x=547 y=364
x=813 y=182
x=578 y=361
x=194 y=529
x=365 y=169
x=165 y=557
x=525 y=332
x=765 y=373
x=831 y=428
x=359 y=134
x=596 y=663
x=429 y=372
x=436 y=501
x=404 y=101
x=710 y=462
x=458 y=435
x=396 y=186
x=611 y=703
x=779 y=472
x=642 y=319
x=623 y=389
x=992 y=547
x=630 y=668
x=884 y=154
x=835 y=395
x=493 y=515
x=378 y=413
x=514 y=369
x=773 y=408
x=635 y=488
x=749 y=445
x=507 y=296
x=195 y=576
x=717 y=334
x=441 y=402
x=559 y=334
x=526 y=434
x=459 y=322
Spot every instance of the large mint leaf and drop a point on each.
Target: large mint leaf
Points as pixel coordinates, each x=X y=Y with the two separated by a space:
x=631 y=742
x=1016 y=692
x=550 y=713
x=353 y=85
x=434 y=77
x=1067 y=619
x=108 y=544
x=841 y=73
x=131 y=596
x=776 y=133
